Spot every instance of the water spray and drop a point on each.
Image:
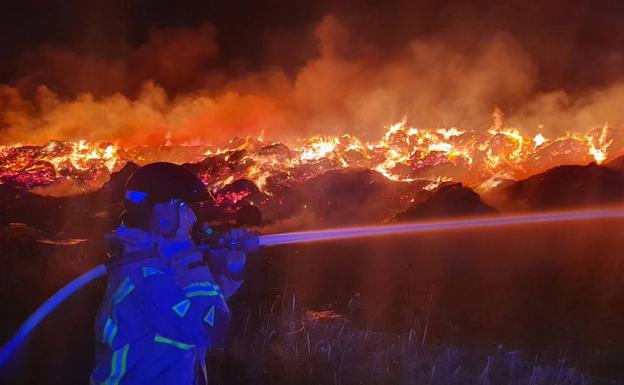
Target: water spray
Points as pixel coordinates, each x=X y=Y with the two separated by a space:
x=461 y=224
x=317 y=236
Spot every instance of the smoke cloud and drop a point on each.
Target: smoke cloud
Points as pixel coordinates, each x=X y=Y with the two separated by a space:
x=175 y=87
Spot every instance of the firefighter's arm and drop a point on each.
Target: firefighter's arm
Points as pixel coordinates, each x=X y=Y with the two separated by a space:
x=191 y=306
x=228 y=258
x=227 y=267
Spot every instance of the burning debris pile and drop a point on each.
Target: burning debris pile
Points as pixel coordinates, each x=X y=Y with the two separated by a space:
x=479 y=159
x=319 y=181
x=31 y=166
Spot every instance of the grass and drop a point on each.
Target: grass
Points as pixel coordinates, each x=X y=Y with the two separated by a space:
x=298 y=347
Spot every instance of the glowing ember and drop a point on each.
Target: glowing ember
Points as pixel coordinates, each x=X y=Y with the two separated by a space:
x=598 y=146
x=539 y=140
x=230 y=197
x=403 y=154
x=35 y=165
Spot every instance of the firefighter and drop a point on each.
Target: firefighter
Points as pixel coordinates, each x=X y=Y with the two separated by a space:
x=164 y=307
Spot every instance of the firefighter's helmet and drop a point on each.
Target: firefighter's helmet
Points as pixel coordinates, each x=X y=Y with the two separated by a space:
x=159 y=182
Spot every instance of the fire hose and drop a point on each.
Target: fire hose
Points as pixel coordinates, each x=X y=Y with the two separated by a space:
x=7 y=350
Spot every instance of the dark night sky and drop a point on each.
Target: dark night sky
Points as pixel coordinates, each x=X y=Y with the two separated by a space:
x=564 y=37
x=107 y=28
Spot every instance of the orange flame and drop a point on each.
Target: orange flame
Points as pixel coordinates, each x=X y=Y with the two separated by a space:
x=402 y=154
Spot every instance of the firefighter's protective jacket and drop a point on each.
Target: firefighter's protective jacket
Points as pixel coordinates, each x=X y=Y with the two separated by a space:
x=162 y=309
